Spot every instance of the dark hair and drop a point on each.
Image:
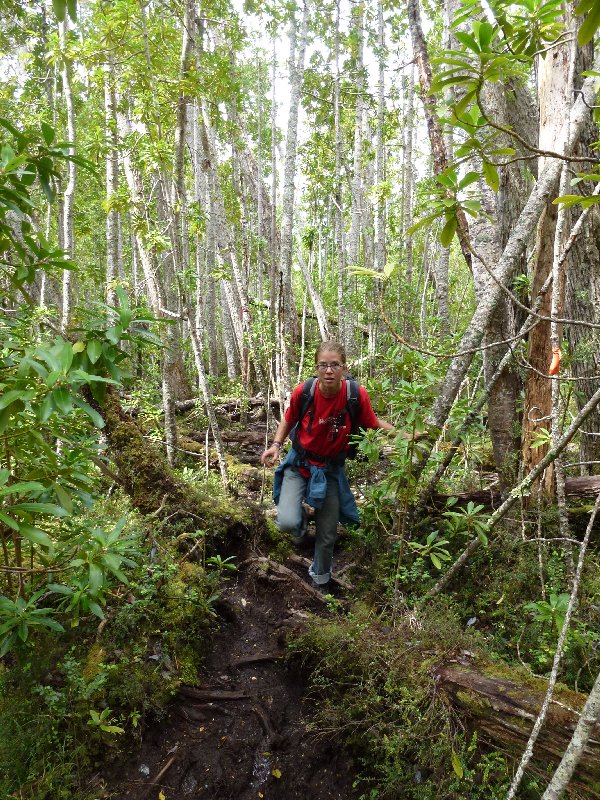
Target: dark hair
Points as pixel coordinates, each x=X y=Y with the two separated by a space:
x=334 y=346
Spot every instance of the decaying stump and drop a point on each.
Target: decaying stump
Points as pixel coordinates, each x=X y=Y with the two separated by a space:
x=503 y=711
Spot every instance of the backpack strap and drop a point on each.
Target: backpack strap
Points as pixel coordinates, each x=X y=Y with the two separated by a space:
x=353 y=403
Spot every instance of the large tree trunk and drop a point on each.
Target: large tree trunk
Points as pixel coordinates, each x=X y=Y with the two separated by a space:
x=553 y=73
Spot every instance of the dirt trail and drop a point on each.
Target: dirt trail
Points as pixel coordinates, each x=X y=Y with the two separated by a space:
x=244 y=731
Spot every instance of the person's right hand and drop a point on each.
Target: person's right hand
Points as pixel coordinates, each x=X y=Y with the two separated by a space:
x=270 y=456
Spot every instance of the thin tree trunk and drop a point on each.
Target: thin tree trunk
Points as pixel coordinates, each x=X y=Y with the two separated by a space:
x=113 y=249
x=68 y=243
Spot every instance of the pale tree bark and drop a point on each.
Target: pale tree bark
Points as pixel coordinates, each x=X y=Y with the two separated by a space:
x=139 y=224
x=315 y=299
x=379 y=244
x=229 y=336
x=205 y=259
x=287 y=316
x=356 y=188
x=68 y=242
x=408 y=175
x=206 y=395
x=113 y=248
x=434 y=129
x=227 y=251
x=337 y=200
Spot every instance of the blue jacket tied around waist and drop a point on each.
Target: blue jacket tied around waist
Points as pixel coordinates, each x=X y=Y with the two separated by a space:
x=316 y=487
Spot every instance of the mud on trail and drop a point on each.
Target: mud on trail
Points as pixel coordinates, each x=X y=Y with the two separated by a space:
x=243 y=732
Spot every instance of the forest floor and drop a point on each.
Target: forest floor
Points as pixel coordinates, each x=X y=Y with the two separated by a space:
x=244 y=730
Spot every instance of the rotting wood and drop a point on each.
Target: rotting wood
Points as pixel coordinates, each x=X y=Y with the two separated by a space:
x=504 y=711
x=256 y=658
x=306 y=562
x=210 y=695
x=279 y=569
x=161 y=775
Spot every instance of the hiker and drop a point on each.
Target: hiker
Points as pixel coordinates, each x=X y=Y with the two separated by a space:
x=311 y=481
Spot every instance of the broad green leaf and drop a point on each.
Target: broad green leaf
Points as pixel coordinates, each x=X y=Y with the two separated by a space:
x=72 y=6
x=491 y=176
x=91 y=412
x=46 y=408
x=40 y=508
x=448 y=231
x=62 y=400
x=48 y=133
x=60 y=9
x=114 y=334
x=79 y=347
x=96 y=610
x=96 y=578
x=15 y=394
x=4 y=476
x=9 y=521
x=35 y=535
x=468 y=41
x=435 y=561
x=66 y=357
x=94 y=350
x=64 y=497
x=22 y=486
x=590 y=24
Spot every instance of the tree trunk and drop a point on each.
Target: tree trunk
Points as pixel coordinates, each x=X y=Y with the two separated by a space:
x=68 y=242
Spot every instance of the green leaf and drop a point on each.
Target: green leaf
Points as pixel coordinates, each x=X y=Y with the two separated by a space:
x=14 y=394
x=435 y=561
x=46 y=408
x=60 y=8
x=96 y=578
x=40 y=508
x=48 y=133
x=91 y=412
x=590 y=25
x=62 y=400
x=457 y=765
x=12 y=523
x=72 y=6
x=64 y=497
x=491 y=176
x=35 y=535
x=448 y=231
x=114 y=334
x=79 y=347
x=94 y=350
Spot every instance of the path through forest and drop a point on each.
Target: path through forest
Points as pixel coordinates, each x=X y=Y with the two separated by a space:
x=244 y=732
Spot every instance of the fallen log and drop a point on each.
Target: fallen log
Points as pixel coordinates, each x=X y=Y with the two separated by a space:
x=503 y=710
x=581 y=487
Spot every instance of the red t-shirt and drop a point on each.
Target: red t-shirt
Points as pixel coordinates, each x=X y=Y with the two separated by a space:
x=329 y=420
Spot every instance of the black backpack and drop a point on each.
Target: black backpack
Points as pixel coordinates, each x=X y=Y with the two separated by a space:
x=352 y=407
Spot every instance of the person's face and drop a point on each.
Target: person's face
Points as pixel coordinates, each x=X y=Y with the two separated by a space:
x=330 y=369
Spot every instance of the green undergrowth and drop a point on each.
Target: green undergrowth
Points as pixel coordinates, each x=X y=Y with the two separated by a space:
x=71 y=701
x=373 y=688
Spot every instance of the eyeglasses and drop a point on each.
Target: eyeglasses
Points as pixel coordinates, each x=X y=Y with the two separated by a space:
x=323 y=367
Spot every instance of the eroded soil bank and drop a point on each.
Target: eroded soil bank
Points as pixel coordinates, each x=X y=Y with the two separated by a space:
x=244 y=731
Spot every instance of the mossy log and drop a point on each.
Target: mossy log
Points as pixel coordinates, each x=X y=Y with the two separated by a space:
x=502 y=704
x=145 y=475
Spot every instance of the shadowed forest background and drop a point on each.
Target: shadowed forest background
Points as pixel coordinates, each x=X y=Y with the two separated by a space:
x=193 y=195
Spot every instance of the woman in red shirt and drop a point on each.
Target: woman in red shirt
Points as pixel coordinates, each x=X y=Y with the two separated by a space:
x=312 y=474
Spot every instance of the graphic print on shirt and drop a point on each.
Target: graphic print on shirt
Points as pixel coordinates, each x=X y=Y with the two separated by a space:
x=335 y=424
